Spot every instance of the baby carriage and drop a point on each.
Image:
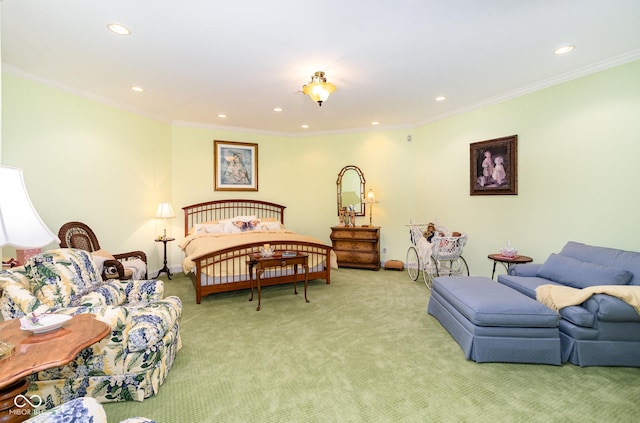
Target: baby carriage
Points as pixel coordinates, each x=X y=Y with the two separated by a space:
x=442 y=256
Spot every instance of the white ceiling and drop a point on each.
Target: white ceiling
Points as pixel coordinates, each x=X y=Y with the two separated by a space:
x=388 y=58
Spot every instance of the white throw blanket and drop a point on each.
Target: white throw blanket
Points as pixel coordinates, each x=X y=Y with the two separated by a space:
x=137 y=267
x=560 y=296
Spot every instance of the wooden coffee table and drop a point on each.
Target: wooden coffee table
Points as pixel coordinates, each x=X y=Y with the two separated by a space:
x=277 y=260
x=35 y=352
x=507 y=262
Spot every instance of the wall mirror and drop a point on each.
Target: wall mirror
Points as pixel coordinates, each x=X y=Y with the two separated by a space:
x=351 y=189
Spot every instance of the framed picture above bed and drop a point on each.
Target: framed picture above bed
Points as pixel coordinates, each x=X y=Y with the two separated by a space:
x=235 y=166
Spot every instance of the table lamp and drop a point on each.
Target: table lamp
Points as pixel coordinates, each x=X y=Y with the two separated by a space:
x=165 y=211
x=20 y=225
x=371 y=198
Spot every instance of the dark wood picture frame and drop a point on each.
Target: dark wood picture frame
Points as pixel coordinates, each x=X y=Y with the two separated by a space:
x=494 y=166
x=235 y=166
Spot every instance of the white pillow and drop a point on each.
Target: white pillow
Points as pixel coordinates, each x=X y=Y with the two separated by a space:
x=211 y=228
x=270 y=226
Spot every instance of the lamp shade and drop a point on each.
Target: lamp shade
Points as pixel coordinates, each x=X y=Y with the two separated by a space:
x=20 y=224
x=371 y=197
x=165 y=211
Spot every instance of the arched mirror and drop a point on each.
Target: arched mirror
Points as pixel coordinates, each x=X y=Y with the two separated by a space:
x=351 y=189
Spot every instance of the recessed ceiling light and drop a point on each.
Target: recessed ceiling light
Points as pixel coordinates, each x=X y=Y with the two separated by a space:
x=277 y=109
x=564 y=49
x=137 y=89
x=118 y=29
x=305 y=126
x=222 y=116
x=375 y=123
x=441 y=98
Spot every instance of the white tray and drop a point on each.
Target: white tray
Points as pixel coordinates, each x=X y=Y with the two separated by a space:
x=46 y=323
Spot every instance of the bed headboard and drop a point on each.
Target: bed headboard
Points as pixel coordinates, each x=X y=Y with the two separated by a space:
x=226 y=209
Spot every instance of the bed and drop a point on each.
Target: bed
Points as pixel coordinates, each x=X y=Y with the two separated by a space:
x=219 y=236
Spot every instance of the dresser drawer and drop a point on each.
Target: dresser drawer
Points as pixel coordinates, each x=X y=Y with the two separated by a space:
x=355 y=233
x=357 y=258
x=354 y=245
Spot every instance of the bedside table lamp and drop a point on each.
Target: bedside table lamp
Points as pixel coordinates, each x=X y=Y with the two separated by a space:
x=165 y=211
x=20 y=225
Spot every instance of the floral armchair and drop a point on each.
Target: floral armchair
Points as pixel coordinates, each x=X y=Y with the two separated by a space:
x=132 y=362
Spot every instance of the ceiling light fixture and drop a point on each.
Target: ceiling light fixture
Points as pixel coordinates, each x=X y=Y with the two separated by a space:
x=318 y=88
x=137 y=89
x=118 y=29
x=277 y=109
x=441 y=98
x=564 y=49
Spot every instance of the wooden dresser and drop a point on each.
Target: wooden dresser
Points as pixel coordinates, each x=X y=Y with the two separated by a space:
x=357 y=246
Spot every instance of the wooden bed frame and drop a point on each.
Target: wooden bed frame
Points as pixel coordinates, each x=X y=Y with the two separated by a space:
x=227 y=259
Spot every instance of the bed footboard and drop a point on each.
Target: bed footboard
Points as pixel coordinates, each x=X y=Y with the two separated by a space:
x=227 y=270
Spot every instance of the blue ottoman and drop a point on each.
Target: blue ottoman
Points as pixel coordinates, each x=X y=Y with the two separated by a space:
x=494 y=323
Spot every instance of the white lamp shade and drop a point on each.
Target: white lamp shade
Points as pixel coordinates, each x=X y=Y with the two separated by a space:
x=371 y=197
x=165 y=211
x=20 y=224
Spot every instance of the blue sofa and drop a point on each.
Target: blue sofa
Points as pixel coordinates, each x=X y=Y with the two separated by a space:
x=603 y=330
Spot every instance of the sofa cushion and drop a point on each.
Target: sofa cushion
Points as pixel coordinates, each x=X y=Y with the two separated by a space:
x=628 y=260
x=524 y=284
x=579 y=316
x=60 y=277
x=581 y=274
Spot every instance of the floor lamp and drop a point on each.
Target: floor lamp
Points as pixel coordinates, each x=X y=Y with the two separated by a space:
x=20 y=225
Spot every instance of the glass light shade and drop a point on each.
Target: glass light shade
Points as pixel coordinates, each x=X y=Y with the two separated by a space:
x=318 y=89
x=20 y=225
x=165 y=210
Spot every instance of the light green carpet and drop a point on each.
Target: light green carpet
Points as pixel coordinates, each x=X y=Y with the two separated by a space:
x=363 y=350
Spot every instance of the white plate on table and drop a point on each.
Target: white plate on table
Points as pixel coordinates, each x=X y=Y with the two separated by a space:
x=46 y=323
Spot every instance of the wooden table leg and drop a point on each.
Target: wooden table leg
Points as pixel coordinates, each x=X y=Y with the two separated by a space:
x=12 y=410
x=251 y=281
x=306 y=281
x=258 y=274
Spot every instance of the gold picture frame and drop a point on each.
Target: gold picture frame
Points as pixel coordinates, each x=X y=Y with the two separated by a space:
x=235 y=166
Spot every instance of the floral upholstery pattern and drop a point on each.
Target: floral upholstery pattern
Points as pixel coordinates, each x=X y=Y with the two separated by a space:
x=129 y=364
x=85 y=409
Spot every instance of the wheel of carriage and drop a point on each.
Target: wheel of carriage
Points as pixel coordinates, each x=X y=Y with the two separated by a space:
x=413 y=263
x=430 y=272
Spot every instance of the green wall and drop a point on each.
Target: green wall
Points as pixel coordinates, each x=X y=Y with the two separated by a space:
x=577 y=146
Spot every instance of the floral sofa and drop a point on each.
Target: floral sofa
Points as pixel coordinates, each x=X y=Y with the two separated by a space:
x=132 y=362
x=85 y=409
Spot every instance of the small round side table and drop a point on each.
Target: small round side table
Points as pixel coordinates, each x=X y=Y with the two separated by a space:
x=165 y=269
x=507 y=262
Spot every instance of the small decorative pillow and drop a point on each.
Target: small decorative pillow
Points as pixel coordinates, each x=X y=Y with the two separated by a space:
x=581 y=274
